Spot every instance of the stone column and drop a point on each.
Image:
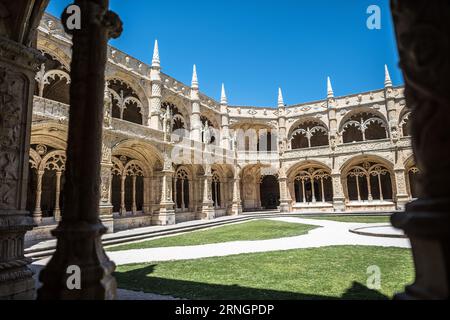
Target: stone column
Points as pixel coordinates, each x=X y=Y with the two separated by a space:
x=338 y=192
x=105 y=206
x=80 y=230
x=123 y=209
x=225 y=132
x=156 y=96
x=196 y=124
x=57 y=211
x=285 y=199
x=208 y=203
x=166 y=214
x=236 y=207
x=423 y=29
x=133 y=195
x=37 y=213
x=148 y=190
x=402 y=196
x=18 y=66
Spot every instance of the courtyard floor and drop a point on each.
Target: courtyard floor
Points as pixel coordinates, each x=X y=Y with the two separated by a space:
x=331 y=240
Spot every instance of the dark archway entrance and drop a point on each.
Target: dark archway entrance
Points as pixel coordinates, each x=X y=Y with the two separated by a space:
x=270 y=192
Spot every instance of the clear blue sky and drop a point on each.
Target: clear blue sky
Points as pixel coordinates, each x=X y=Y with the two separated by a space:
x=255 y=46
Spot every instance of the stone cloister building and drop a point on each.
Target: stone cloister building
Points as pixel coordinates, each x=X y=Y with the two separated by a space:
x=422 y=32
x=172 y=154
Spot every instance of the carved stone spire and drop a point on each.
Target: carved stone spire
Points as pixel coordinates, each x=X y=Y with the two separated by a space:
x=223 y=96
x=280 y=99
x=194 y=83
x=330 y=93
x=387 y=77
x=156 y=63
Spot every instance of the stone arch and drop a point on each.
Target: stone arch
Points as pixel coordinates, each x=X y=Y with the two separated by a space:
x=412 y=177
x=49 y=47
x=404 y=122
x=363 y=124
x=368 y=178
x=134 y=96
x=50 y=133
x=308 y=132
x=182 y=106
x=310 y=182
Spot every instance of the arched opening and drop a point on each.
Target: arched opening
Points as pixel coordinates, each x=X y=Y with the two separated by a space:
x=313 y=185
x=216 y=191
x=127 y=186
x=405 y=125
x=362 y=127
x=53 y=81
x=182 y=190
x=369 y=181
x=309 y=134
x=270 y=192
x=125 y=102
x=208 y=132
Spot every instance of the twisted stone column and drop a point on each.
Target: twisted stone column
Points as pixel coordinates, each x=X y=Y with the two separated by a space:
x=80 y=230
x=423 y=33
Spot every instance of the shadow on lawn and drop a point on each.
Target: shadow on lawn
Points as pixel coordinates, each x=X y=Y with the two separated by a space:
x=140 y=280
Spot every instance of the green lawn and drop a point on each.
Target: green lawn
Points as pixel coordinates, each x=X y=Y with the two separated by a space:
x=318 y=273
x=252 y=230
x=358 y=219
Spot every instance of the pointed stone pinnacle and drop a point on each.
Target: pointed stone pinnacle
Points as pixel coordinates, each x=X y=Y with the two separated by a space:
x=387 y=77
x=330 y=93
x=223 y=96
x=155 y=61
x=194 y=83
x=280 y=99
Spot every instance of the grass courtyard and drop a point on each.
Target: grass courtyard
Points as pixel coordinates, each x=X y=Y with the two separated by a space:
x=317 y=273
x=252 y=230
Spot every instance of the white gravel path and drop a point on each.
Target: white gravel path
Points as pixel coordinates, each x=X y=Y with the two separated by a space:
x=331 y=233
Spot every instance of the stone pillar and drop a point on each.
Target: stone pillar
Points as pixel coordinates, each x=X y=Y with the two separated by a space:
x=123 y=209
x=208 y=203
x=105 y=206
x=225 y=132
x=285 y=199
x=282 y=134
x=57 y=211
x=133 y=195
x=338 y=192
x=80 y=230
x=196 y=123
x=148 y=190
x=37 y=213
x=402 y=195
x=392 y=115
x=166 y=214
x=156 y=96
x=18 y=66
x=422 y=30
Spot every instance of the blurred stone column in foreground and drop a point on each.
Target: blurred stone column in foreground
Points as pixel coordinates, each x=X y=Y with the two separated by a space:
x=423 y=33
x=79 y=233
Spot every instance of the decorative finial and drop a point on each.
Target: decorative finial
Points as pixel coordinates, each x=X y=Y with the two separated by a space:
x=194 y=78
x=155 y=61
x=280 y=99
x=330 y=93
x=223 y=96
x=387 y=77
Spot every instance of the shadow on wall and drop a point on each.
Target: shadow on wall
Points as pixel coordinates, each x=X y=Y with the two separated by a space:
x=140 y=280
